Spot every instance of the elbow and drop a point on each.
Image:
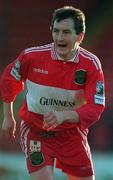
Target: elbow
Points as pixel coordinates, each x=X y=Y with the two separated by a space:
x=88 y=115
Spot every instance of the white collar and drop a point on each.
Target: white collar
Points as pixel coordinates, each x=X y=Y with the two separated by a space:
x=55 y=55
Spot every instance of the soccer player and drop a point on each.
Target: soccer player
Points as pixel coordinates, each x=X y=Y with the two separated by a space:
x=64 y=97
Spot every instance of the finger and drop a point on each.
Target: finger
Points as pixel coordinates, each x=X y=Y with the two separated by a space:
x=50 y=123
x=46 y=125
x=51 y=127
x=49 y=118
x=11 y=132
x=48 y=114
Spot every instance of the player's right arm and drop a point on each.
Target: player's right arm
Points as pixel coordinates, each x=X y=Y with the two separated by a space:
x=11 y=84
x=9 y=123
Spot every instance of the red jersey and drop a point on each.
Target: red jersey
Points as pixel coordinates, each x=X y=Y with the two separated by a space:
x=53 y=84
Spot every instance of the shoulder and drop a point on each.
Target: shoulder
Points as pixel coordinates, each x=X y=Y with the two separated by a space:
x=90 y=57
x=36 y=49
x=29 y=54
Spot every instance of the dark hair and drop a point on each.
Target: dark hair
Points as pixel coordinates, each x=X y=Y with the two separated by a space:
x=70 y=12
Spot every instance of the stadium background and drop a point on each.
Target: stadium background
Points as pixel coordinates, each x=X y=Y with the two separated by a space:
x=26 y=24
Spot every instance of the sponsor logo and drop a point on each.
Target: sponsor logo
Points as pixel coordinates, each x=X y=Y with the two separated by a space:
x=99 y=99
x=56 y=102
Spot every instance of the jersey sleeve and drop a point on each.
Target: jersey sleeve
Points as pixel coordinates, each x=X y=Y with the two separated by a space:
x=91 y=111
x=13 y=77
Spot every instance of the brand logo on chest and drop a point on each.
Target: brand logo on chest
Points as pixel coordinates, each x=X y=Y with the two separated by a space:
x=39 y=70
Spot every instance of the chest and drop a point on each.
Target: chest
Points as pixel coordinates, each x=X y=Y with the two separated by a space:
x=55 y=73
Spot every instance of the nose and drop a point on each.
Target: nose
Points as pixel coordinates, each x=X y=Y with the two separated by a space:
x=60 y=36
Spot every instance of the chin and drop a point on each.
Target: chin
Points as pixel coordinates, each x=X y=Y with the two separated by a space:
x=61 y=53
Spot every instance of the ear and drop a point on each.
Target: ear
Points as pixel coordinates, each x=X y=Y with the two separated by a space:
x=50 y=28
x=80 y=37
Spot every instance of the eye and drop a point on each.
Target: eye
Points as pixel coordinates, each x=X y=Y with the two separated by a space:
x=66 y=32
x=55 y=30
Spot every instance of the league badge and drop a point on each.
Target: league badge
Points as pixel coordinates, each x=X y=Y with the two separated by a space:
x=99 y=96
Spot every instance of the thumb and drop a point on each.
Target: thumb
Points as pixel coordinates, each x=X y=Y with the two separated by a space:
x=12 y=132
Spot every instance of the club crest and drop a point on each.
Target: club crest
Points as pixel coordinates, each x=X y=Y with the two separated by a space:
x=35 y=155
x=80 y=77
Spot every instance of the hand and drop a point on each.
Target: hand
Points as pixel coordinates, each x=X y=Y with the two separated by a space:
x=52 y=120
x=9 y=126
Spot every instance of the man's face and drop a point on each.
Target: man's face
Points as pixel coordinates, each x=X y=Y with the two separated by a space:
x=65 y=38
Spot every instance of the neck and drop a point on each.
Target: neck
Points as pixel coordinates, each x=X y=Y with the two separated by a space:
x=70 y=56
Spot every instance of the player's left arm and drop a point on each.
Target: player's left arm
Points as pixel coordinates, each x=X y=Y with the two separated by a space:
x=90 y=112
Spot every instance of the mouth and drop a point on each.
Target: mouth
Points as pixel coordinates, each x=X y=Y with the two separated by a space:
x=62 y=45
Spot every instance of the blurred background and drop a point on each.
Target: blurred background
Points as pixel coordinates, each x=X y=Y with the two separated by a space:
x=25 y=24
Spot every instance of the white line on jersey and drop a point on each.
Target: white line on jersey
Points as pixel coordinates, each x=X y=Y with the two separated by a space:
x=91 y=57
x=38 y=48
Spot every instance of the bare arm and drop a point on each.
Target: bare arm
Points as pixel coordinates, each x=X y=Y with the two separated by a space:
x=9 y=123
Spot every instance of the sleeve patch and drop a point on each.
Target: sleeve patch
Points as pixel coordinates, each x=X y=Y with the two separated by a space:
x=99 y=97
x=15 y=70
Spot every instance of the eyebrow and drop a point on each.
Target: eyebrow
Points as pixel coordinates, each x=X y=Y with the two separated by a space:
x=55 y=28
